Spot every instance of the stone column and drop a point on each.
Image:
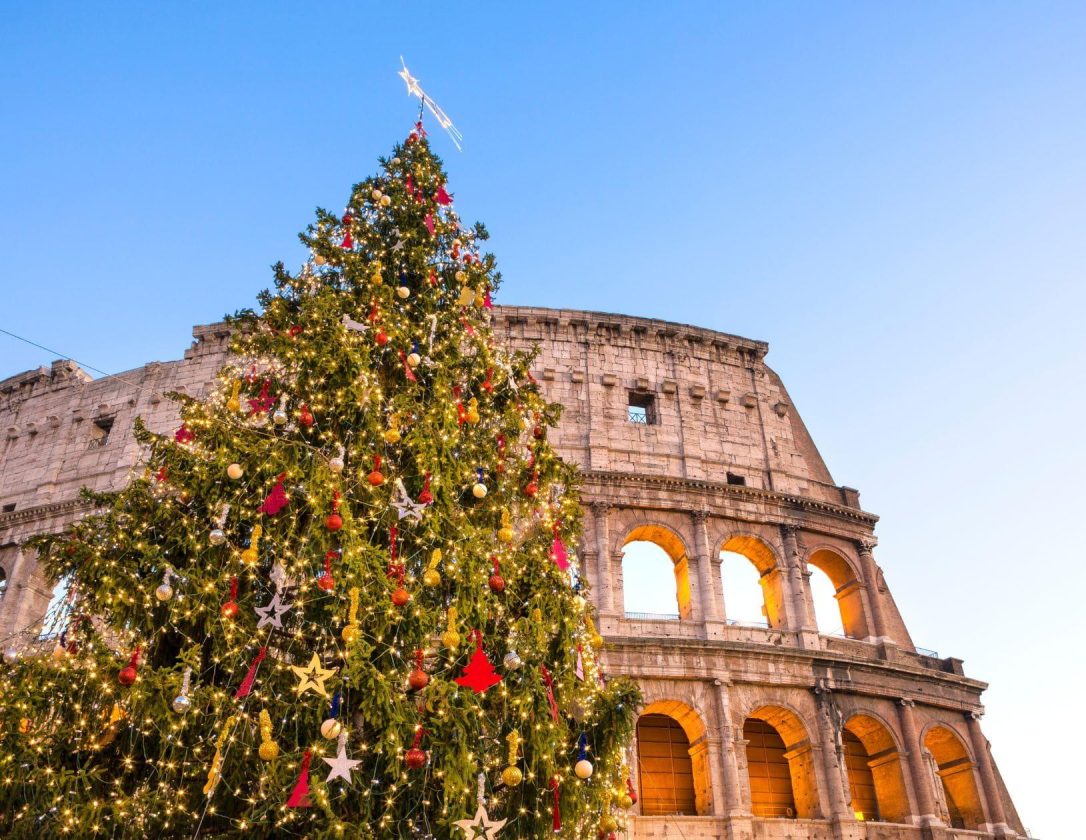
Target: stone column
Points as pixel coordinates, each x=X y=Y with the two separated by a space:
x=729 y=759
x=870 y=571
x=799 y=590
x=711 y=608
x=836 y=778
x=914 y=756
x=996 y=816
x=14 y=596
x=605 y=584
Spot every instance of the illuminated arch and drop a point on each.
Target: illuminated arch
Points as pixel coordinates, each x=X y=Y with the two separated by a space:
x=672 y=760
x=780 y=764
x=875 y=776
x=763 y=558
x=665 y=543
x=847 y=590
x=955 y=779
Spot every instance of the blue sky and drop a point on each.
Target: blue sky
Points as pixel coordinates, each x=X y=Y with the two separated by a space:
x=892 y=196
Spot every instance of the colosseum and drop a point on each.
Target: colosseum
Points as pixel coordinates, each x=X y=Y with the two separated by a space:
x=751 y=730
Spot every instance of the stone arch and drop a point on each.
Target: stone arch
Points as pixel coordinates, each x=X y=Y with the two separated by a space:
x=882 y=769
x=848 y=590
x=766 y=561
x=780 y=764
x=955 y=779
x=672 y=760
x=667 y=540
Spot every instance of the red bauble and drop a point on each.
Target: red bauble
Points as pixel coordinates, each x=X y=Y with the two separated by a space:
x=333 y=522
x=531 y=488
x=326 y=583
x=229 y=609
x=400 y=596
x=415 y=758
x=537 y=432
x=127 y=676
x=418 y=679
x=497 y=583
x=305 y=417
x=376 y=477
x=381 y=337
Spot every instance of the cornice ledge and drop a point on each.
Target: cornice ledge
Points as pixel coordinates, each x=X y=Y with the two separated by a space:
x=605 y=477
x=29 y=514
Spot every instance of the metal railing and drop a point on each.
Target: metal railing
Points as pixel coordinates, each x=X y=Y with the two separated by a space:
x=642 y=616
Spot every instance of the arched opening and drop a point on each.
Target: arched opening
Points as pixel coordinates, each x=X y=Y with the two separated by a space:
x=3 y=582
x=780 y=765
x=827 y=612
x=672 y=761
x=875 y=776
x=655 y=574
x=954 y=779
x=751 y=582
x=846 y=593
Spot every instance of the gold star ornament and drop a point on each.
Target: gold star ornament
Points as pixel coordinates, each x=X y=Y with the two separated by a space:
x=480 y=827
x=312 y=676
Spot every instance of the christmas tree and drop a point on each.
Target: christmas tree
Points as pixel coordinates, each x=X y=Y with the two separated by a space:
x=341 y=600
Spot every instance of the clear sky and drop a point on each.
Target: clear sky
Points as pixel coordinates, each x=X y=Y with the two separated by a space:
x=893 y=196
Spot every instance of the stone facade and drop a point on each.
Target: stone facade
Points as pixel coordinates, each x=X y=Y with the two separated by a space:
x=723 y=462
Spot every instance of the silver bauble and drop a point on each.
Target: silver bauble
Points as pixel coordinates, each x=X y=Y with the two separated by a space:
x=217 y=536
x=335 y=465
x=583 y=768
x=512 y=660
x=11 y=655
x=181 y=704
x=280 y=417
x=164 y=592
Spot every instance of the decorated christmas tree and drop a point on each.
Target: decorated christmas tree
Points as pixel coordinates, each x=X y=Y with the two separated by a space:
x=342 y=598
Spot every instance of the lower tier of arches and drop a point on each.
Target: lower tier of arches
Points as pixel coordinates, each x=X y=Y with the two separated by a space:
x=757 y=761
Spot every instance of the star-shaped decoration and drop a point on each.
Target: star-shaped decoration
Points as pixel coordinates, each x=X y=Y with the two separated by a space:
x=272 y=613
x=341 y=765
x=405 y=507
x=312 y=677
x=412 y=83
x=480 y=827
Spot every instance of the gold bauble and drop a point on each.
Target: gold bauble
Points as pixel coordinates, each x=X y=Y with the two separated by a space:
x=392 y=436
x=269 y=750
x=512 y=776
x=478 y=490
x=385 y=201
x=319 y=260
x=625 y=802
x=505 y=534
x=431 y=578
x=349 y=634
x=235 y=471
x=250 y=557
x=608 y=823
x=451 y=639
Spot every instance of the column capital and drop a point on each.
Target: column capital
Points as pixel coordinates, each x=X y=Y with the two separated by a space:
x=598 y=506
x=906 y=703
x=701 y=516
x=865 y=544
x=975 y=715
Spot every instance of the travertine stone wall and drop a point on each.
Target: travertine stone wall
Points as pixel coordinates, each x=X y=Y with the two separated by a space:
x=719 y=410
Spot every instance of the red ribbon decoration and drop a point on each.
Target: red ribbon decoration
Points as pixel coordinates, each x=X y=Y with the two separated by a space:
x=461 y=412
x=250 y=677
x=335 y=500
x=410 y=374
x=393 y=549
x=299 y=797
x=374 y=315
x=348 y=242
x=556 y=806
x=548 y=681
x=426 y=497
